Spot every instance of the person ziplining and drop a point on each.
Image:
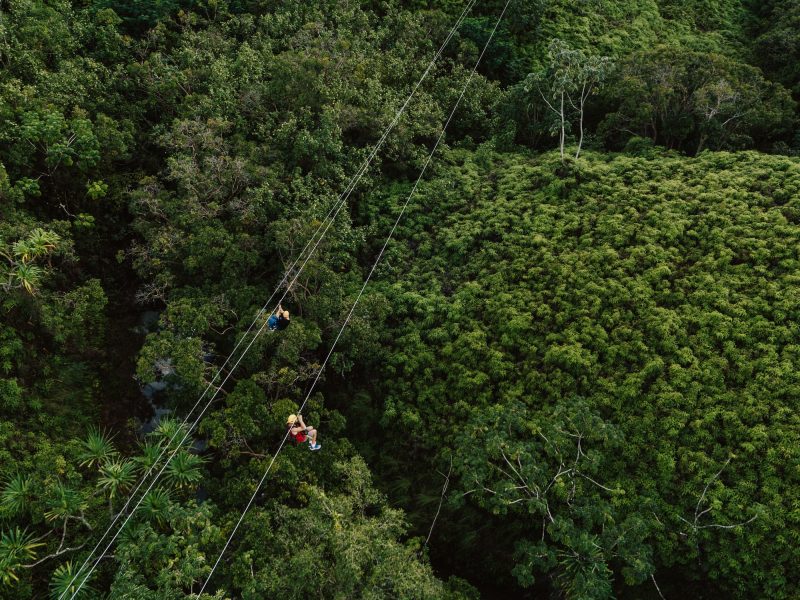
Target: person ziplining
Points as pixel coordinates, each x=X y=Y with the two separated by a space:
x=279 y=320
x=300 y=432
x=292 y=426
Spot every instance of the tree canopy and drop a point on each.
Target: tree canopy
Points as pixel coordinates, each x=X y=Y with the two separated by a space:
x=573 y=374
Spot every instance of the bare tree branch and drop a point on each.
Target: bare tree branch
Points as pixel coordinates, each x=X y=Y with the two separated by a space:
x=705 y=490
x=657 y=588
x=441 y=500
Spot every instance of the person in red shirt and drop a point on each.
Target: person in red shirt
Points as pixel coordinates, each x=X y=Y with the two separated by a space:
x=300 y=432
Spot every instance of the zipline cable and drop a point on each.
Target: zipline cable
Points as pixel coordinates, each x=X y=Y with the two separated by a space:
x=355 y=303
x=326 y=223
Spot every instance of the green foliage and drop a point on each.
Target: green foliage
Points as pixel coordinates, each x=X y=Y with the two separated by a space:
x=565 y=85
x=156 y=504
x=185 y=469
x=21 y=271
x=16 y=548
x=116 y=477
x=176 y=360
x=96 y=189
x=171 y=434
x=65 y=503
x=60 y=141
x=601 y=352
x=166 y=561
x=16 y=496
x=148 y=457
x=140 y=15
x=590 y=348
x=691 y=101
x=777 y=48
x=75 y=319
x=327 y=543
x=64 y=584
x=97 y=448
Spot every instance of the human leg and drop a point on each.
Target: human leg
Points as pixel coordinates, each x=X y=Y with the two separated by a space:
x=312 y=438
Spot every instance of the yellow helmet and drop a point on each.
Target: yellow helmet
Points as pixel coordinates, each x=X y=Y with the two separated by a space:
x=291 y=419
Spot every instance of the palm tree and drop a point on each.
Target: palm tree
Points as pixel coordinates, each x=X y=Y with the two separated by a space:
x=172 y=429
x=26 y=276
x=65 y=504
x=21 y=270
x=116 y=476
x=16 y=495
x=156 y=505
x=41 y=242
x=185 y=469
x=16 y=547
x=96 y=448
x=63 y=583
x=150 y=453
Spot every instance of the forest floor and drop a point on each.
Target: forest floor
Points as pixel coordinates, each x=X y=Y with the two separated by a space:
x=122 y=404
x=122 y=399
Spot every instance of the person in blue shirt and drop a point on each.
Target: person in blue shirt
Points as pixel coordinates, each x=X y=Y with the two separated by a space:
x=279 y=320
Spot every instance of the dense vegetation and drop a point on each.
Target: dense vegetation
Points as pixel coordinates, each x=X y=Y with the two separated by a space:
x=548 y=329
x=574 y=374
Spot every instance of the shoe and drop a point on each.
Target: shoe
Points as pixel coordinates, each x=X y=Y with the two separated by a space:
x=317 y=447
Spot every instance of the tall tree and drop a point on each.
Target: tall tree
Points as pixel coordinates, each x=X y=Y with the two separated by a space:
x=569 y=78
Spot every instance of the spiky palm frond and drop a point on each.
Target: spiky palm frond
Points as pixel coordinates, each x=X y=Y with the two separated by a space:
x=64 y=584
x=156 y=504
x=172 y=429
x=64 y=503
x=16 y=547
x=23 y=250
x=185 y=469
x=16 y=495
x=116 y=476
x=26 y=276
x=584 y=572
x=41 y=242
x=149 y=454
x=96 y=448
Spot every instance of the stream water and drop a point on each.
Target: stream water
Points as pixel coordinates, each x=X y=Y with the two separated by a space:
x=152 y=391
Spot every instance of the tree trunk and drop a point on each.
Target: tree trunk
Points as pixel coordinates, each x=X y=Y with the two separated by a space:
x=703 y=139
x=563 y=129
x=580 y=136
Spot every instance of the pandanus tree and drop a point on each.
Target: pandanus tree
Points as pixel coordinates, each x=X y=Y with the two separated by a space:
x=16 y=548
x=24 y=276
x=155 y=505
x=96 y=449
x=148 y=458
x=65 y=505
x=116 y=477
x=64 y=583
x=185 y=469
x=172 y=432
x=20 y=269
x=16 y=496
x=38 y=243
